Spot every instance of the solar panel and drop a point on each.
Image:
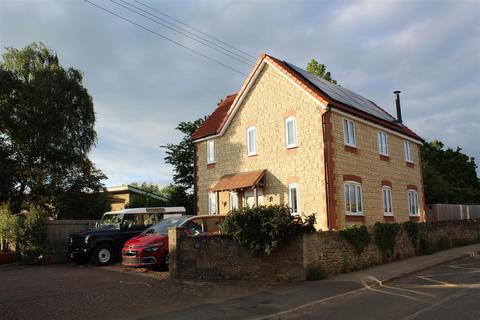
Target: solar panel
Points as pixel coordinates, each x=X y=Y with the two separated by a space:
x=343 y=95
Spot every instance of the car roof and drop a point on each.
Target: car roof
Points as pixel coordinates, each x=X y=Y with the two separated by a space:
x=150 y=210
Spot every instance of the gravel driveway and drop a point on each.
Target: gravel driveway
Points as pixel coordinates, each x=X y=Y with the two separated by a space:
x=88 y=292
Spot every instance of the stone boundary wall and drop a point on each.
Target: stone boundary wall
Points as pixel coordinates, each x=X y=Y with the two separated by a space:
x=220 y=257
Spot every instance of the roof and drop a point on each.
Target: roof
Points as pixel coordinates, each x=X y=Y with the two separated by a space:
x=239 y=180
x=325 y=91
x=150 y=210
x=215 y=121
x=128 y=188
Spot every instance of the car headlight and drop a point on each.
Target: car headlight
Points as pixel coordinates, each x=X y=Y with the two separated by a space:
x=87 y=238
x=153 y=247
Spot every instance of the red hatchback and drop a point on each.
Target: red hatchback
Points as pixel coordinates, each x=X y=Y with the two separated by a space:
x=150 y=248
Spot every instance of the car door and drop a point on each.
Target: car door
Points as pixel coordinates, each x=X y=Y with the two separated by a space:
x=132 y=225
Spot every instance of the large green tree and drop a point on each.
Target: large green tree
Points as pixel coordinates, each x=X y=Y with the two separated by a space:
x=320 y=70
x=46 y=129
x=181 y=155
x=449 y=175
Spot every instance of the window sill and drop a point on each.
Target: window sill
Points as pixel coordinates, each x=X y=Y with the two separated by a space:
x=252 y=155
x=211 y=165
x=384 y=158
x=351 y=149
x=389 y=218
x=292 y=147
x=349 y=217
x=414 y=218
x=410 y=164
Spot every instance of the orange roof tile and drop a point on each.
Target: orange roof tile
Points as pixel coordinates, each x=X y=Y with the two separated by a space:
x=239 y=180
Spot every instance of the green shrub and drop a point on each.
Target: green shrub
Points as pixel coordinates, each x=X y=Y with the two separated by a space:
x=358 y=236
x=385 y=235
x=8 y=228
x=315 y=273
x=262 y=229
x=427 y=246
x=32 y=234
x=412 y=230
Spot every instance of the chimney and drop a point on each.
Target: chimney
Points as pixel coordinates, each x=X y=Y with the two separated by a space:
x=397 y=101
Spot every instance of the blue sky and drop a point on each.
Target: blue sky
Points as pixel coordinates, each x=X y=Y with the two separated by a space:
x=142 y=86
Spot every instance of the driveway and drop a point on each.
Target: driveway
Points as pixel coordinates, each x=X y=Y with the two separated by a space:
x=87 y=292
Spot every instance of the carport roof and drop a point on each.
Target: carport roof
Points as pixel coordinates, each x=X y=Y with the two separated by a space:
x=239 y=180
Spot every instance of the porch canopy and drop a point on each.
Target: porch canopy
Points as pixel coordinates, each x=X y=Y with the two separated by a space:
x=242 y=180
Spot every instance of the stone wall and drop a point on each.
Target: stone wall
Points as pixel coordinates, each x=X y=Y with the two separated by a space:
x=219 y=257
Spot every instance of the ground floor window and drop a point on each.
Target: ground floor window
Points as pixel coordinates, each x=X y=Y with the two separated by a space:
x=387 y=201
x=353 y=198
x=250 y=198
x=413 y=202
x=293 y=200
x=233 y=200
x=212 y=203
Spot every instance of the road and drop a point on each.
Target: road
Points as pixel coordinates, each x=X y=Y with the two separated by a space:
x=449 y=291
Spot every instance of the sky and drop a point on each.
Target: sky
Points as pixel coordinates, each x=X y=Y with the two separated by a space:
x=143 y=85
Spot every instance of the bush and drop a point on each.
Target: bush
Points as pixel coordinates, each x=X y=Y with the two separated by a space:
x=32 y=235
x=412 y=230
x=315 y=273
x=8 y=228
x=385 y=236
x=358 y=236
x=426 y=246
x=263 y=229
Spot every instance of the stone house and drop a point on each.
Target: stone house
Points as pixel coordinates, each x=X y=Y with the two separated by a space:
x=288 y=137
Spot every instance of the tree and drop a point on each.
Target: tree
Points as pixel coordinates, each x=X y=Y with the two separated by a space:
x=47 y=129
x=181 y=155
x=449 y=175
x=319 y=70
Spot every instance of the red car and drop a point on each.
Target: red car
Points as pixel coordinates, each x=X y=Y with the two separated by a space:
x=150 y=248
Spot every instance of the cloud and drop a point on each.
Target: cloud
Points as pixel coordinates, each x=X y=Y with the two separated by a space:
x=143 y=86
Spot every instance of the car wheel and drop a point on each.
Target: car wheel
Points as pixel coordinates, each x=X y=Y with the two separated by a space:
x=103 y=255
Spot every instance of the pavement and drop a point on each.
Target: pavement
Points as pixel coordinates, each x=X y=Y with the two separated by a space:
x=88 y=292
x=285 y=301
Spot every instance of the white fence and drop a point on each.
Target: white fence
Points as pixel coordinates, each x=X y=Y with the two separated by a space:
x=443 y=212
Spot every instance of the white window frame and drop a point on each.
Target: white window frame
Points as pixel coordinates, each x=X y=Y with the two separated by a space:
x=387 y=200
x=211 y=151
x=412 y=198
x=212 y=203
x=233 y=200
x=358 y=195
x=254 y=151
x=349 y=134
x=294 y=121
x=296 y=187
x=382 y=143
x=408 y=151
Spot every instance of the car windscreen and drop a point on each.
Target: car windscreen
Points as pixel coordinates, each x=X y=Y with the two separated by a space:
x=162 y=227
x=111 y=219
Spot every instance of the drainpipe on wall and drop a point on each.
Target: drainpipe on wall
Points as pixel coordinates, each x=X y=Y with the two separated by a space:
x=325 y=159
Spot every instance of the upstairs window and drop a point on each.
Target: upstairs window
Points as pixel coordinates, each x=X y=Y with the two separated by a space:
x=387 y=201
x=353 y=198
x=293 y=198
x=413 y=202
x=349 y=133
x=291 y=132
x=211 y=151
x=212 y=203
x=408 y=152
x=382 y=143
x=252 y=141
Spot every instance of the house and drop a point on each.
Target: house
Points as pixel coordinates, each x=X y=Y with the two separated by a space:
x=288 y=137
x=123 y=196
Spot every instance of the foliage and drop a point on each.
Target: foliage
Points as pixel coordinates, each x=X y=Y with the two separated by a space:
x=181 y=155
x=316 y=273
x=319 y=70
x=385 y=236
x=358 y=236
x=427 y=246
x=83 y=205
x=412 y=230
x=263 y=229
x=32 y=236
x=449 y=175
x=47 y=120
x=8 y=227
x=177 y=196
